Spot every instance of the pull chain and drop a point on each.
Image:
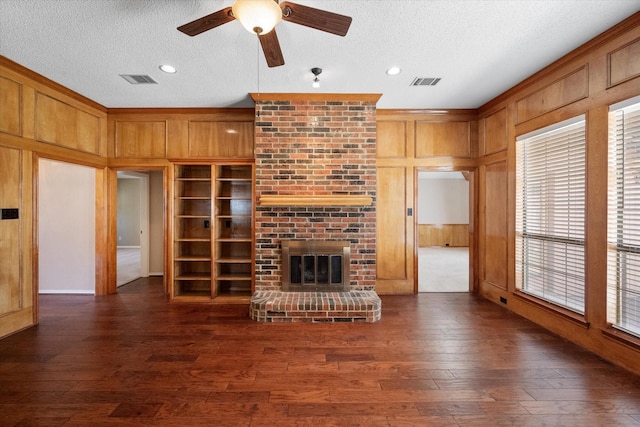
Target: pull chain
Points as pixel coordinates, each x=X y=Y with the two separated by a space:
x=258 y=68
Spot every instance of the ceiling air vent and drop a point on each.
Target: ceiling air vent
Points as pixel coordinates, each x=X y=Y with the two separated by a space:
x=138 y=79
x=425 y=81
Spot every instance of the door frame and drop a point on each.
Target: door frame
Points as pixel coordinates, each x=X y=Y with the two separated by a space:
x=112 y=221
x=473 y=217
x=144 y=218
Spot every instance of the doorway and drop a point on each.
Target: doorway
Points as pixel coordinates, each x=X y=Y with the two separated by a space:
x=140 y=224
x=66 y=228
x=133 y=226
x=443 y=218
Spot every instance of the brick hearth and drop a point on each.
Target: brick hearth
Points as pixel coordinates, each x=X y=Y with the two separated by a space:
x=354 y=306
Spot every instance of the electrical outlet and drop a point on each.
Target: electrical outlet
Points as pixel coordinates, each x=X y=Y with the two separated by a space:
x=207 y=223
x=503 y=300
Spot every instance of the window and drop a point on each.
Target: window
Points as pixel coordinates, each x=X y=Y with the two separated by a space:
x=550 y=205
x=623 y=255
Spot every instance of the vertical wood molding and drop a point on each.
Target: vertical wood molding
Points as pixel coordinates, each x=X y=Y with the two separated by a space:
x=495 y=226
x=101 y=233
x=597 y=169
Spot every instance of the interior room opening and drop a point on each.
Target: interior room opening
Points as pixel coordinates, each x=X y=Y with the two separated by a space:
x=443 y=231
x=140 y=225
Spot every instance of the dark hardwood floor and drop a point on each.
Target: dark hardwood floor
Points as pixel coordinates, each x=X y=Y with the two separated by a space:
x=434 y=359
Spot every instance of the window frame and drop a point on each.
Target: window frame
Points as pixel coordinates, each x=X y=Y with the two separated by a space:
x=620 y=244
x=572 y=306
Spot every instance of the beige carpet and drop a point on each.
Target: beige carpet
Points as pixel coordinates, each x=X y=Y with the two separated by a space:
x=443 y=269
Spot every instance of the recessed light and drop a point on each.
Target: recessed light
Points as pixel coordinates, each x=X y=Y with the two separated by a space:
x=394 y=71
x=168 y=68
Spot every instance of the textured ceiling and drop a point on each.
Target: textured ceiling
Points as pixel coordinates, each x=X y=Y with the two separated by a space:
x=479 y=48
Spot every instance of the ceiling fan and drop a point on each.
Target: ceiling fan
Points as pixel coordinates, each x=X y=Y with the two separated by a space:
x=261 y=16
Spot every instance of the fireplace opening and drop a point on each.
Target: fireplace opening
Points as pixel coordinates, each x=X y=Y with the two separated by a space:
x=315 y=266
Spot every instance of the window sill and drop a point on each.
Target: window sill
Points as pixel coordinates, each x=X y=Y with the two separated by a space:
x=572 y=316
x=621 y=337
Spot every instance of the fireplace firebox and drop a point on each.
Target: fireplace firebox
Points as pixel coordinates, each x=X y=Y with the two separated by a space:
x=315 y=266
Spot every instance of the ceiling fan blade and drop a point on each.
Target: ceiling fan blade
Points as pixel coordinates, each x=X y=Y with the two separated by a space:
x=316 y=18
x=271 y=48
x=208 y=22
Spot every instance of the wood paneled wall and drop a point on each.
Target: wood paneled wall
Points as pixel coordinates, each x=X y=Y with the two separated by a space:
x=143 y=135
x=40 y=115
x=409 y=141
x=38 y=118
x=604 y=71
x=454 y=235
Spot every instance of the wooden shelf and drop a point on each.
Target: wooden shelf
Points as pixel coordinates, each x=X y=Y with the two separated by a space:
x=227 y=260
x=234 y=277
x=234 y=239
x=193 y=258
x=193 y=276
x=193 y=198
x=314 y=200
x=204 y=272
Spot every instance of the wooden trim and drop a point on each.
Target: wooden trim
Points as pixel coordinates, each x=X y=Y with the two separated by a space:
x=34 y=269
x=314 y=200
x=572 y=316
x=236 y=112
x=621 y=337
x=426 y=114
x=266 y=97
x=102 y=243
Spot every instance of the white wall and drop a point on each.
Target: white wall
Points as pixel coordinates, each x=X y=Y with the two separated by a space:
x=156 y=224
x=66 y=228
x=443 y=199
x=128 y=212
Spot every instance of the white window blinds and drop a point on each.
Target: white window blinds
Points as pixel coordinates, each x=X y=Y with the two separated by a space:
x=550 y=206
x=623 y=258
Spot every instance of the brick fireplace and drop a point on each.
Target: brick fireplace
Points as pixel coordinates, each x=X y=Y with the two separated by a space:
x=315 y=180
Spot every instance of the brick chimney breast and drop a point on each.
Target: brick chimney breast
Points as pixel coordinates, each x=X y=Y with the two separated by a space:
x=316 y=145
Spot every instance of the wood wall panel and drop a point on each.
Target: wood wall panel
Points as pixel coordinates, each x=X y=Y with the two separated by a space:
x=391 y=139
x=391 y=228
x=443 y=139
x=624 y=63
x=495 y=226
x=141 y=139
x=10 y=97
x=221 y=139
x=10 y=282
x=65 y=125
x=454 y=235
x=564 y=91
x=448 y=140
x=495 y=132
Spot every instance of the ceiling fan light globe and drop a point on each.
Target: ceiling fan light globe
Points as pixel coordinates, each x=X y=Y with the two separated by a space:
x=257 y=16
